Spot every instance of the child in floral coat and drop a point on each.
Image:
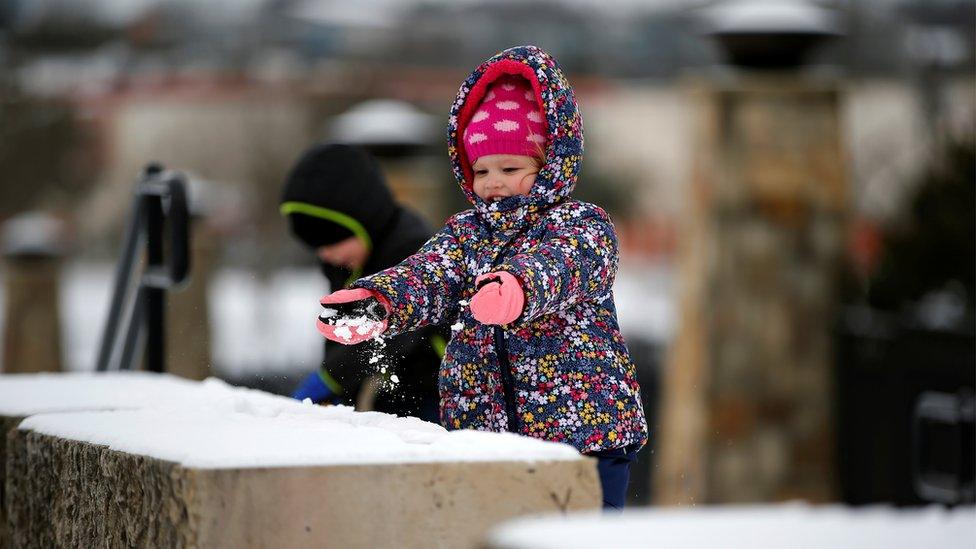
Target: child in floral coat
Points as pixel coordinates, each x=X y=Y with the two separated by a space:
x=525 y=277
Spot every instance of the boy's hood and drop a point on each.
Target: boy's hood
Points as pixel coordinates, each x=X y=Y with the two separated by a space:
x=336 y=190
x=564 y=133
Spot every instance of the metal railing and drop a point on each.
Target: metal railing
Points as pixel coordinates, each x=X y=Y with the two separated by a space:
x=159 y=210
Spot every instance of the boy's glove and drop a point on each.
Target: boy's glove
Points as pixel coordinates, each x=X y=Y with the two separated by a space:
x=315 y=389
x=499 y=300
x=353 y=316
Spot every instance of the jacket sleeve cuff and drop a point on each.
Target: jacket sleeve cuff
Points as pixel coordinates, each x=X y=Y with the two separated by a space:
x=534 y=304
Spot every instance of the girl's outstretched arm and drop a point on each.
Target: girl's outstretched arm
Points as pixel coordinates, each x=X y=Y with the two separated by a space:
x=577 y=262
x=425 y=287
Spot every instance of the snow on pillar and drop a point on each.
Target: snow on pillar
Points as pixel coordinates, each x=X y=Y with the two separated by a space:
x=746 y=413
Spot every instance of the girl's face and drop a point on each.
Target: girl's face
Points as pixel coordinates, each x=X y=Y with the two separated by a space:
x=498 y=176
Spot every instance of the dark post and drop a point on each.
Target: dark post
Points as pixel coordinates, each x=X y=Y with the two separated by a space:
x=155 y=297
x=160 y=204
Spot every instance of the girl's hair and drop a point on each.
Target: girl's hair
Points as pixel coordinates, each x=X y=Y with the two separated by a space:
x=540 y=155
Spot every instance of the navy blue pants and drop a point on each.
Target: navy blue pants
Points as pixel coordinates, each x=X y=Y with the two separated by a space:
x=614 y=468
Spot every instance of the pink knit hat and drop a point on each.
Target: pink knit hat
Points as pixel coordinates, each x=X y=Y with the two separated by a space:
x=508 y=121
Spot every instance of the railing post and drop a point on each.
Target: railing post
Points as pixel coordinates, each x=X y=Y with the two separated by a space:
x=160 y=204
x=155 y=297
x=123 y=279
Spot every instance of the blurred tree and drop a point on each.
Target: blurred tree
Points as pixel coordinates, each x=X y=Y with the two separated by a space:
x=935 y=247
x=42 y=162
x=54 y=26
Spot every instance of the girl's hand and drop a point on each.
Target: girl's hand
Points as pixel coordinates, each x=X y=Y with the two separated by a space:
x=353 y=316
x=499 y=300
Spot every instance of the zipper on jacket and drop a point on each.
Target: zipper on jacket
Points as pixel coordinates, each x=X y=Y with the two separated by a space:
x=508 y=381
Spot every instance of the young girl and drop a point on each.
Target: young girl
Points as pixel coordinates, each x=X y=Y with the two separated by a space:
x=525 y=278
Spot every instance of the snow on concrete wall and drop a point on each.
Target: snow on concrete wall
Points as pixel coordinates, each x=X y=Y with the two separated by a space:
x=214 y=425
x=205 y=464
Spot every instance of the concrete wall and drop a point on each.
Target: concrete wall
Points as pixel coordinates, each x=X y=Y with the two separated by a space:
x=74 y=494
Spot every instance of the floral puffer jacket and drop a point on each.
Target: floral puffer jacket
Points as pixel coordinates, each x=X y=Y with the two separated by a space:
x=561 y=371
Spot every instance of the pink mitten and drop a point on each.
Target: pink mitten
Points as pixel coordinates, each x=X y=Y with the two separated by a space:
x=499 y=299
x=353 y=316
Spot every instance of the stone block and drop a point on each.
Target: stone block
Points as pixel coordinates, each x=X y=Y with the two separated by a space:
x=145 y=461
x=87 y=495
x=22 y=395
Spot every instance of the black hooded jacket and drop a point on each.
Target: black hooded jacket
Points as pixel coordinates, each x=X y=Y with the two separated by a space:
x=332 y=193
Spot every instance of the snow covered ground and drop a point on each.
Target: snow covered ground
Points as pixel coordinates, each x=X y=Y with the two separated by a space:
x=256 y=325
x=792 y=525
x=214 y=425
x=645 y=293
x=268 y=326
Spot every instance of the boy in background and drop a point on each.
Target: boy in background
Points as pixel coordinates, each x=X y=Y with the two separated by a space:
x=337 y=203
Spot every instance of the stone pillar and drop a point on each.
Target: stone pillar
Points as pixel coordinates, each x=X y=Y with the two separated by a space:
x=747 y=390
x=32 y=327
x=188 y=314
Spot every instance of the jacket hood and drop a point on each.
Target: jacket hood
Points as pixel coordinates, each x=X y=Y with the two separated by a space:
x=336 y=191
x=564 y=134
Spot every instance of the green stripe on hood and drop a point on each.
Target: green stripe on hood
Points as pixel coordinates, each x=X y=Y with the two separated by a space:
x=334 y=216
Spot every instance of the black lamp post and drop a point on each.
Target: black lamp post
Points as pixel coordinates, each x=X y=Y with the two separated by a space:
x=767 y=34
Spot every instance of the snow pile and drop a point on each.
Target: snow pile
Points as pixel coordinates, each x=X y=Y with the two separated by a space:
x=794 y=525
x=219 y=426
